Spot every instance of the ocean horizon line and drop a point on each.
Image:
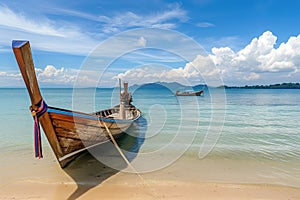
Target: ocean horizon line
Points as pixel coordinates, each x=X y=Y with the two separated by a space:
x=174 y=85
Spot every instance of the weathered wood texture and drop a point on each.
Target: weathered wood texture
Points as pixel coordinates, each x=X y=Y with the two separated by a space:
x=25 y=62
x=75 y=133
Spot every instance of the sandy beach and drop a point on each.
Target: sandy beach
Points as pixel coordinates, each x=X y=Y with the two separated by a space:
x=89 y=179
x=148 y=189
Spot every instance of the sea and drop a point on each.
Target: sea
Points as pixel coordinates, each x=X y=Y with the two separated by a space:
x=227 y=135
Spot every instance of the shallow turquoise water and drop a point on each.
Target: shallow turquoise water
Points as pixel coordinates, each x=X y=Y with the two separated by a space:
x=260 y=125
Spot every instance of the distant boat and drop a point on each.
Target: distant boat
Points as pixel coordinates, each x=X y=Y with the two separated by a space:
x=187 y=93
x=69 y=132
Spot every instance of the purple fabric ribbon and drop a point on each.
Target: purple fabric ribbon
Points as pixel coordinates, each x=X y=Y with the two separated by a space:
x=37 y=132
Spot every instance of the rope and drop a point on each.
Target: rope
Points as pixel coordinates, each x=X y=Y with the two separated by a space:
x=37 y=132
x=155 y=195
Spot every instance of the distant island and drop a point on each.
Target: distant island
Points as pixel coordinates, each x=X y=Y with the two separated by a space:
x=177 y=86
x=172 y=86
x=273 y=86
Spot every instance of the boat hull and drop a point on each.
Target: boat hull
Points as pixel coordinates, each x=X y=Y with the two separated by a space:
x=198 y=93
x=77 y=132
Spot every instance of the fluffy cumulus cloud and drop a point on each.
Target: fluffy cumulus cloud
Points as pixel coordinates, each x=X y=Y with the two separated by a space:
x=260 y=56
x=258 y=62
x=260 y=59
x=53 y=75
x=11 y=75
x=200 y=69
x=8 y=79
x=50 y=76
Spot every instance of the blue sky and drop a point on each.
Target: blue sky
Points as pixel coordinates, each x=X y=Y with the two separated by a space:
x=249 y=42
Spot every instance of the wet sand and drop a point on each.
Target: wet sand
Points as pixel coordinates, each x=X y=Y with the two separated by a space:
x=89 y=179
x=135 y=189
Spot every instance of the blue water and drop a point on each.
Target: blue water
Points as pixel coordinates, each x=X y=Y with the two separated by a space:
x=260 y=125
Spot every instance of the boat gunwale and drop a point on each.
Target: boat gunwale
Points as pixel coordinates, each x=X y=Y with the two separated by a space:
x=91 y=116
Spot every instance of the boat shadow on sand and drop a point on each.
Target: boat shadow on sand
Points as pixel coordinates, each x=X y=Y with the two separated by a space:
x=88 y=171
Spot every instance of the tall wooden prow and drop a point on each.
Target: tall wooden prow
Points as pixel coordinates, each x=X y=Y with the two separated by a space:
x=23 y=56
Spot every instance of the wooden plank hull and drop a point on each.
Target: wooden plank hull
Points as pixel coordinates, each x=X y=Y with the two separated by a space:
x=77 y=132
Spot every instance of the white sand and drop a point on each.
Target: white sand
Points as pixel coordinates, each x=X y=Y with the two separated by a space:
x=187 y=178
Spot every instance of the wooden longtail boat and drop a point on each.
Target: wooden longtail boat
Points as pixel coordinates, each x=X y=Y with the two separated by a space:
x=198 y=93
x=69 y=132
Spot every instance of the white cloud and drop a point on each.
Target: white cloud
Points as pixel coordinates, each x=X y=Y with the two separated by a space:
x=251 y=56
x=150 y=73
x=19 y=21
x=166 y=19
x=10 y=79
x=205 y=25
x=202 y=68
x=259 y=61
x=66 y=37
x=251 y=76
x=222 y=56
x=48 y=76
x=12 y=75
x=53 y=75
x=260 y=58
x=44 y=34
x=142 y=41
x=131 y=20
